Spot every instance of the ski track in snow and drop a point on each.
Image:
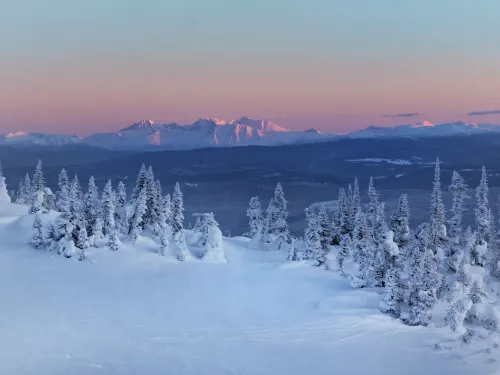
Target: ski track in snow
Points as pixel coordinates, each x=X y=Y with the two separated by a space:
x=132 y=312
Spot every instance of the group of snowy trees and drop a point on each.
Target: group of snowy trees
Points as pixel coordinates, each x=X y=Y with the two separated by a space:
x=95 y=219
x=271 y=228
x=416 y=267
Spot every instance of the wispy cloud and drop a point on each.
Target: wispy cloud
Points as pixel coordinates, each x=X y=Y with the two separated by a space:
x=482 y=113
x=403 y=115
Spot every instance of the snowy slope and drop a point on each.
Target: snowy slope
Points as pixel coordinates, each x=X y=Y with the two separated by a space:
x=202 y=133
x=425 y=129
x=133 y=312
x=38 y=139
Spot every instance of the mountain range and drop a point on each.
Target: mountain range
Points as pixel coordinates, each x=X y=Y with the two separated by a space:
x=212 y=132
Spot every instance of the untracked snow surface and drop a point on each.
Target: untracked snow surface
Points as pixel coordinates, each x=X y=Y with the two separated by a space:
x=134 y=312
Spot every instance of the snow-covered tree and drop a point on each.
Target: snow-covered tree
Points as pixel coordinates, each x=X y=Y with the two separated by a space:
x=458 y=188
x=64 y=189
x=477 y=296
x=37 y=235
x=198 y=226
x=455 y=315
x=313 y=249
x=4 y=195
x=39 y=201
x=108 y=209
x=137 y=218
x=255 y=217
x=113 y=241
x=277 y=219
x=478 y=255
x=140 y=183
x=292 y=251
x=437 y=230
x=423 y=278
x=394 y=293
x=121 y=219
x=344 y=252
x=382 y=257
x=400 y=222
x=152 y=196
x=23 y=195
x=343 y=214
x=207 y=221
x=179 y=239
x=92 y=205
x=164 y=243
x=363 y=254
x=324 y=229
x=82 y=241
x=214 y=251
x=354 y=205
x=97 y=230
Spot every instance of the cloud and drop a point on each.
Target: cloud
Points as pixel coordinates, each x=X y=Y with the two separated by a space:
x=482 y=113
x=403 y=115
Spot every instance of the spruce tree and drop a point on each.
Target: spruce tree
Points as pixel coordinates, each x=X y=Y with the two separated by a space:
x=344 y=252
x=400 y=222
x=137 y=218
x=113 y=241
x=164 y=243
x=363 y=254
x=25 y=193
x=21 y=194
x=92 y=205
x=39 y=202
x=280 y=228
x=478 y=256
x=343 y=214
x=108 y=209
x=458 y=188
x=82 y=241
x=324 y=229
x=313 y=250
x=182 y=251
x=37 y=236
x=64 y=188
x=197 y=225
x=292 y=251
x=255 y=216
x=437 y=212
x=140 y=183
x=97 y=230
x=121 y=219
x=355 y=205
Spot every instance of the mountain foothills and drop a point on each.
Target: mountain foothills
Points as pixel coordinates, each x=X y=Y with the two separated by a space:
x=211 y=132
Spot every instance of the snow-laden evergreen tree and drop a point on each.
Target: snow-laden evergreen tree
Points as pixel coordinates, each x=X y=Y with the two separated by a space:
x=39 y=200
x=92 y=205
x=97 y=233
x=463 y=274
x=255 y=217
x=207 y=221
x=113 y=241
x=136 y=224
x=121 y=219
x=64 y=188
x=214 y=251
x=167 y=207
x=458 y=188
x=324 y=229
x=140 y=183
x=4 y=195
x=24 y=193
x=343 y=214
x=108 y=209
x=344 y=252
x=455 y=315
x=363 y=254
x=311 y=238
x=437 y=230
x=278 y=228
x=382 y=257
x=197 y=228
x=179 y=240
x=292 y=251
x=478 y=255
x=400 y=222
x=151 y=215
x=423 y=279
x=82 y=241
x=354 y=205
x=164 y=243
x=493 y=258
x=393 y=297
x=478 y=296
x=37 y=235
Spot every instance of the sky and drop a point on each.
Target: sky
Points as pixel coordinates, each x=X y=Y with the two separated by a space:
x=83 y=66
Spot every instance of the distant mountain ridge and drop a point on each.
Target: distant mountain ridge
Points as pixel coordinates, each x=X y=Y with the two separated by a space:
x=213 y=132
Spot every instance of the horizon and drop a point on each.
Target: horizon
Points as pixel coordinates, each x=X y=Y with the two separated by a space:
x=334 y=66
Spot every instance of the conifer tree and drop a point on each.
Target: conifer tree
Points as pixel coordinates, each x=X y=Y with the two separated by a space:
x=313 y=250
x=92 y=205
x=363 y=254
x=343 y=214
x=355 y=205
x=197 y=225
x=324 y=229
x=344 y=251
x=400 y=222
x=140 y=183
x=113 y=241
x=382 y=258
x=121 y=219
x=97 y=230
x=137 y=218
x=279 y=226
x=39 y=200
x=255 y=216
x=292 y=251
x=478 y=255
x=458 y=188
x=82 y=241
x=108 y=209
x=64 y=188
x=24 y=194
x=477 y=296
x=37 y=236
x=437 y=228
x=164 y=243
x=182 y=251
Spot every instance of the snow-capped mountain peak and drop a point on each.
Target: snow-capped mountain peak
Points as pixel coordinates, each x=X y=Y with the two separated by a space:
x=21 y=138
x=143 y=124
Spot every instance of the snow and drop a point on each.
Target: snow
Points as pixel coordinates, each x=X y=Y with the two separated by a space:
x=381 y=160
x=134 y=312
